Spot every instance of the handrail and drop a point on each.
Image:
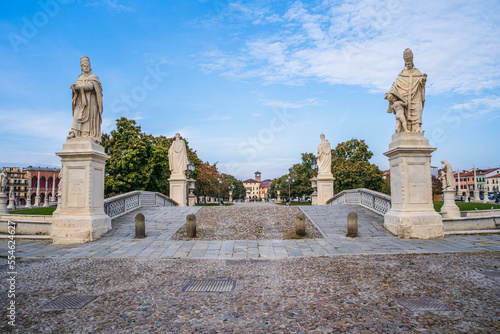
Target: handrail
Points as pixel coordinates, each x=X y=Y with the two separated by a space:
x=121 y=204
x=369 y=199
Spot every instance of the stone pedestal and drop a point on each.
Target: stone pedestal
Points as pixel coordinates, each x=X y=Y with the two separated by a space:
x=314 y=195
x=28 y=202
x=81 y=215
x=485 y=197
x=37 y=201
x=476 y=196
x=3 y=204
x=46 y=202
x=11 y=205
x=178 y=189
x=324 y=184
x=412 y=213
x=449 y=208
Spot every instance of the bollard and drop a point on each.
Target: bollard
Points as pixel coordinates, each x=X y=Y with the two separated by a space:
x=140 y=226
x=300 y=224
x=191 y=225
x=352 y=225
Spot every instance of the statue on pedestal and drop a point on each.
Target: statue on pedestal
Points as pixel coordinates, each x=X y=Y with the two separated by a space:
x=324 y=156
x=86 y=104
x=447 y=176
x=3 y=182
x=177 y=156
x=409 y=89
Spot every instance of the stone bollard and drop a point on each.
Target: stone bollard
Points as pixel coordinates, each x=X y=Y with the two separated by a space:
x=191 y=225
x=140 y=226
x=352 y=225
x=300 y=224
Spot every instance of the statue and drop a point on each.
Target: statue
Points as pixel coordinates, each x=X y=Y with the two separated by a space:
x=324 y=156
x=86 y=100
x=177 y=156
x=11 y=194
x=398 y=104
x=409 y=87
x=3 y=182
x=447 y=176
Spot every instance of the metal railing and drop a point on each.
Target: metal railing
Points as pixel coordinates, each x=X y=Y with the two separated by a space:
x=369 y=199
x=119 y=205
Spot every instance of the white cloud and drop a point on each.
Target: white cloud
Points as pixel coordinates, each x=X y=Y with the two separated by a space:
x=291 y=105
x=457 y=43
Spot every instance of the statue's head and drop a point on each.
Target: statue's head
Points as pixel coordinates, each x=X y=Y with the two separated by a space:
x=408 y=58
x=322 y=136
x=85 y=64
x=177 y=136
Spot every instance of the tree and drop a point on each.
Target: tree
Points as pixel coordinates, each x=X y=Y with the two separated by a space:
x=352 y=169
x=239 y=190
x=138 y=161
x=208 y=180
x=301 y=173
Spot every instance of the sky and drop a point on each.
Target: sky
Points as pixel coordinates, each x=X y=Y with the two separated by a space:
x=252 y=84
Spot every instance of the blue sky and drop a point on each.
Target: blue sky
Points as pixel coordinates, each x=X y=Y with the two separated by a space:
x=252 y=84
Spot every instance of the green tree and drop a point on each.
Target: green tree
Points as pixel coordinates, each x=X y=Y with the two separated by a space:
x=352 y=169
x=138 y=161
x=301 y=174
x=207 y=181
x=239 y=190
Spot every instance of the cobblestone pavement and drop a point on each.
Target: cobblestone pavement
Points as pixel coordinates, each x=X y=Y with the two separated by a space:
x=355 y=294
x=331 y=221
x=247 y=222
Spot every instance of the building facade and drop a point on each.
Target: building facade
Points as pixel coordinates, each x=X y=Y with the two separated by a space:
x=255 y=188
x=18 y=182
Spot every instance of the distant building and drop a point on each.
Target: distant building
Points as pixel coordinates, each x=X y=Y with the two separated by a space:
x=255 y=188
x=386 y=173
x=17 y=181
x=493 y=183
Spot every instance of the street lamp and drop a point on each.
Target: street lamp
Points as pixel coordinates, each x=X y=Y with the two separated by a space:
x=220 y=185
x=289 y=180
x=190 y=168
x=314 y=166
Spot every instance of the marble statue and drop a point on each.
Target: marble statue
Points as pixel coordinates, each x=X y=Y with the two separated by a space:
x=11 y=194
x=447 y=176
x=87 y=104
x=324 y=156
x=409 y=88
x=3 y=182
x=177 y=156
x=398 y=105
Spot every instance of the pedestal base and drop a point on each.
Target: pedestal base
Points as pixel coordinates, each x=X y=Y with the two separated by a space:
x=178 y=189
x=80 y=214
x=314 y=199
x=412 y=213
x=3 y=204
x=79 y=229
x=415 y=225
x=11 y=204
x=449 y=208
x=324 y=188
x=192 y=200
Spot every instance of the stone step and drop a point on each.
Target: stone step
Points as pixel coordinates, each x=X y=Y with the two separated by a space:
x=38 y=237
x=471 y=232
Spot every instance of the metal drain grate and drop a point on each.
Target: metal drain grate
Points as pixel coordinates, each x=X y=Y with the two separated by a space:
x=422 y=304
x=201 y=285
x=236 y=262
x=66 y=302
x=491 y=274
x=261 y=261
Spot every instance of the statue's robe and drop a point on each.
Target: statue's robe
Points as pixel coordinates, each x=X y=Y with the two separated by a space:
x=410 y=84
x=87 y=107
x=177 y=157
x=324 y=157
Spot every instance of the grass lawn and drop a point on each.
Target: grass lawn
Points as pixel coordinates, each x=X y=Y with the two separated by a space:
x=213 y=204
x=35 y=211
x=295 y=203
x=466 y=206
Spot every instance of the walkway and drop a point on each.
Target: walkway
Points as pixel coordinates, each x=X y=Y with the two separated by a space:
x=163 y=222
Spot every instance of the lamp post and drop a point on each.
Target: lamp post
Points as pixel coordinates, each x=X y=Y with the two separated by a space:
x=231 y=188
x=289 y=180
x=314 y=184
x=218 y=189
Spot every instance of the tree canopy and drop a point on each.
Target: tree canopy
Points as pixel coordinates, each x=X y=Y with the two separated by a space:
x=352 y=169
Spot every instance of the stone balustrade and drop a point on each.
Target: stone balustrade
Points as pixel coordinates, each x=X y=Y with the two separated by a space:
x=119 y=205
x=369 y=199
